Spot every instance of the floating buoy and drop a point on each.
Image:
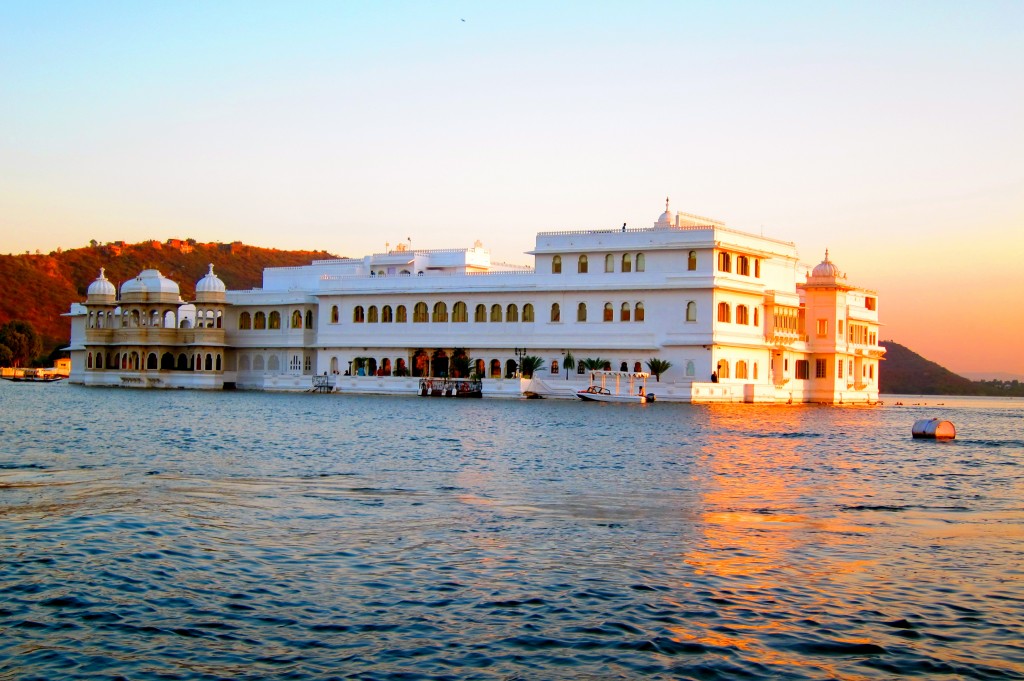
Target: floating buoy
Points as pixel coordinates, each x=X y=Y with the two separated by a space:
x=934 y=429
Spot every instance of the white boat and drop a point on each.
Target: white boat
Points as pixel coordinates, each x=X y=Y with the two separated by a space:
x=617 y=386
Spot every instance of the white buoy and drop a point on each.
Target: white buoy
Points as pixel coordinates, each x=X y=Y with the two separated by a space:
x=934 y=429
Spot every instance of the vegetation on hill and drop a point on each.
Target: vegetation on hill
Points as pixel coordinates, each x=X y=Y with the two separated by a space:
x=904 y=372
x=39 y=288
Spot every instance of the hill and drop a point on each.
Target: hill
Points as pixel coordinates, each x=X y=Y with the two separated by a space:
x=904 y=372
x=39 y=288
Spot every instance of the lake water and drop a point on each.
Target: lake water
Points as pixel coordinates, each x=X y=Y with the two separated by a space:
x=240 y=535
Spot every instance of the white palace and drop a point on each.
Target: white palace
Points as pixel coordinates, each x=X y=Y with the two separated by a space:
x=735 y=314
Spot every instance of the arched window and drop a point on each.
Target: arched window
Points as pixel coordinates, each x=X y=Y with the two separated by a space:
x=309 y=319
x=459 y=312
x=401 y=316
x=528 y=312
x=245 y=321
x=723 y=368
x=755 y=371
x=243 y=363
x=755 y=323
x=99 y=360
x=495 y=368
x=556 y=265
x=627 y=262
x=641 y=262
x=638 y=312
x=334 y=314
x=217 y=367
x=274 y=321
x=554 y=367
x=581 y=265
x=495 y=313
x=88 y=361
x=691 y=311
x=166 y=362
x=151 y=361
x=419 y=313
x=480 y=314
x=296 y=319
x=624 y=312
x=259 y=320
x=183 y=362
x=741 y=369
x=742 y=318
x=581 y=312
x=691 y=369
x=258 y=363
x=724 y=314
x=609 y=312
x=386 y=315
x=274 y=363
x=440 y=312
x=372 y=317
x=742 y=267
x=358 y=315
x=757 y=273
x=724 y=262
x=556 y=312
x=691 y=261
x=609 y=263
x=637 y=368
x=512 y=313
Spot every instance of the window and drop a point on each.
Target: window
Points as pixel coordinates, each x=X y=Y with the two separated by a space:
x=309 y=319
x=556 y=312
x=871 y=303
x=743 y=265
x=724 y=262
x=581 y=265
x=839 y=369
x=802 y=369
x=691 y=311
x=691 y=261
x=742 y=314
x=609 y=263
x=334 y=314
x=839 y=328
x=401 y=316
x=296 y=319
x=512 y=313
x=387 y=316
x=820 y=368
x=822 y=327
x=244 y=321
x=460 y=313
x=641 y=262
x=259 y=320
x=580 y=369
x=624 y=313
x=358 y=315
x=528 y=312
x=371 y=315
x=556 y=265
x=308 y=365
x=581 y=312
x=724 y=314
x=440 y=312
x=495 y=313
x=419 y=313
x=723 y=368
x=627 y=262
x=554 y=367
x=741 y=369
x=296 y=364
x=480 y=315
x=756 y=323
x=691 y=369
x=609 y=313
x=275 y=320
x=757 y=273
x=638 y=312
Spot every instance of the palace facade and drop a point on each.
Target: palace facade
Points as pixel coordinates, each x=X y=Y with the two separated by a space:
x=734 y=314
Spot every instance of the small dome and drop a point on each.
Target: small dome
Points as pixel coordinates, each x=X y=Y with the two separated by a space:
x=665 y=219
x=101 y=286
x=211 y=283
x=151 y=283
x=826 y=269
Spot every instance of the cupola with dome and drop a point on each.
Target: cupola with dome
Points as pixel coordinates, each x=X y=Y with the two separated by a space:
x=150 y=287
x=101 y=290
x=210 y=289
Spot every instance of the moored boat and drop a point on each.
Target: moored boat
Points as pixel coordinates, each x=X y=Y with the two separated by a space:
x=623 y=388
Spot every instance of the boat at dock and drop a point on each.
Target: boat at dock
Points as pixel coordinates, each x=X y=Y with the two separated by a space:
x=617 y=386
x=450 y=387
x=32 y=375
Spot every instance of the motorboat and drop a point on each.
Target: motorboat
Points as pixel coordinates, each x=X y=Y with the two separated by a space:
x=617 y=386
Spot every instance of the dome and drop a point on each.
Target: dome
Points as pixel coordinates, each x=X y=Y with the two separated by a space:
x=826 y=269
x=665 y=219
x=210 y=287
x=150 y=286
x=101 y=289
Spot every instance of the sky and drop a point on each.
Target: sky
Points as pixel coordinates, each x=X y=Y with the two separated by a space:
x=889 y=133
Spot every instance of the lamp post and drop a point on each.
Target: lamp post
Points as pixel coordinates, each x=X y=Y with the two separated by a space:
x=520 y=353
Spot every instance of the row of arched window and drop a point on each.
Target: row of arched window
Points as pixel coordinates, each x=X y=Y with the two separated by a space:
x=741 y=369
x=627 y=262
x=128 y=319
x=742 y=264
x=482 y=313
x=725 y=314
x=261 y=320
x=133 y=361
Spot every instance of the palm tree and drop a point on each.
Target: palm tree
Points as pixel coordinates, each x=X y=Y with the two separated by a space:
x=658 y=366
x=595 y=363
x=569 y=363
x=531 y=363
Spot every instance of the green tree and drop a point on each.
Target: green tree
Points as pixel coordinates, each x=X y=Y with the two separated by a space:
x=658 y=366
x=569 y=363
x=21 y=340
x=531 y=364
x=5 y=356
x=595 y=363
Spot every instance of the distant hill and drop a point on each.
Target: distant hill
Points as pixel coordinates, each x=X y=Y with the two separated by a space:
x=39 y=288
x=904 y=372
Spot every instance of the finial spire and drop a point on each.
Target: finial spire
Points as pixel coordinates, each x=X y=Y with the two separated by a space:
x=211 y=269
x=826 y=255
x=666 y=204
x=102 y=275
